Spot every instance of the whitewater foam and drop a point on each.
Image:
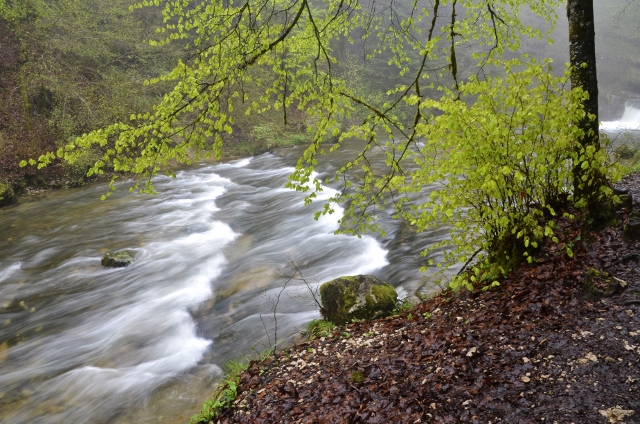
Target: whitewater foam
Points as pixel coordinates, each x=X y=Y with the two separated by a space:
x=630 y=120
x=10 y=270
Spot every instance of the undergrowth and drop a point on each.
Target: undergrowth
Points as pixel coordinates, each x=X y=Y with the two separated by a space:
x=226 y=392
x=318 y=328
x=402 y=306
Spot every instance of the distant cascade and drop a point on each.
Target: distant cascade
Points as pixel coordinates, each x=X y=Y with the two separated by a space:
x=631 y=111
x=630 y=119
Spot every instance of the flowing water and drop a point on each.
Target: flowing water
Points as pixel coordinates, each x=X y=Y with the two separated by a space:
x=630 y=120
x=81 y=343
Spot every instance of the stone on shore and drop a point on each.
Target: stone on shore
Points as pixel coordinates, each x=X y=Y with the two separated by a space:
x=356 y=297
x=600 y=284
x=7 y=195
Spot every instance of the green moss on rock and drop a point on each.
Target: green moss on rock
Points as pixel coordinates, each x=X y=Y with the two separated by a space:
x=119 y=259
x=7 y=195
x=599 y=284
x=356 y=297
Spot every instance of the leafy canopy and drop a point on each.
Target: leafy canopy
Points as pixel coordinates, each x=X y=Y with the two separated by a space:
x=493 y=131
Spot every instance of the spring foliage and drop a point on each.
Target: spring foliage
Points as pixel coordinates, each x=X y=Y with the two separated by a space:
x=495 y=133
x=502 y=161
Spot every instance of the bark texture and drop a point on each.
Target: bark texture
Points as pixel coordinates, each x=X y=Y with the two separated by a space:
x=582 y=54
x=582 y=51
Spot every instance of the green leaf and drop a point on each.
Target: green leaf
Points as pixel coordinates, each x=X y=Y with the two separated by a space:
x=569 y=251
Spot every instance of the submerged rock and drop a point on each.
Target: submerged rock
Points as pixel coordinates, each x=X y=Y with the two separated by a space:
x=119 y=259
x=356 y=297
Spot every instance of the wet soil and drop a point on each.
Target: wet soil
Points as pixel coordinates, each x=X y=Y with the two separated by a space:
x=538 y=348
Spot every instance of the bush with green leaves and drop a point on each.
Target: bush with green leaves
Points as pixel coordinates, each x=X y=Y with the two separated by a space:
x=501 y=153
x=505 y=161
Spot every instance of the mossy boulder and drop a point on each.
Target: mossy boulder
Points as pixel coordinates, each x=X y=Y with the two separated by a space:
x=356 y=297
x=7 y=195
x=119 y=259
x=599 y=284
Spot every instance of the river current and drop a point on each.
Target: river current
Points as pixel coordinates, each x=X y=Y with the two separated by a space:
x=82 y=343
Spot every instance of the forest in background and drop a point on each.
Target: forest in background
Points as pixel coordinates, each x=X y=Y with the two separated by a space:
x=70 y=67
x=67 y=68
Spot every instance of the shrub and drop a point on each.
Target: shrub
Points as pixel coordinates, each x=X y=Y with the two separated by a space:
x=503 y=164
x=501 y=153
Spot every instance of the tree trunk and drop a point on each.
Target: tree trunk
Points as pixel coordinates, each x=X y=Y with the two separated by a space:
x=582 y=53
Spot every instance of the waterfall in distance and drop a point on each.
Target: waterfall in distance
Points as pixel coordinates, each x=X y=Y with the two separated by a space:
x=630 y=120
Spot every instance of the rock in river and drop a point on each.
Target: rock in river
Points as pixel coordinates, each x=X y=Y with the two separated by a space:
x=119 y=259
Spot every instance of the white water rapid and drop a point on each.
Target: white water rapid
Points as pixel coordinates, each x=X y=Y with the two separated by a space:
x=630 y=120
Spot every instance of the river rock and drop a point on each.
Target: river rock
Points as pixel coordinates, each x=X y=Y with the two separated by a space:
x=119 y=259
x=7 y=195
x=356 y=297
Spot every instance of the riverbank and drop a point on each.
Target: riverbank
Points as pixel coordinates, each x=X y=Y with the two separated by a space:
x=538 y=348
x=59 y=176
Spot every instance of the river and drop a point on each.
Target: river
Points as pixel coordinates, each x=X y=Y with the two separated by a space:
x=81 y=343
